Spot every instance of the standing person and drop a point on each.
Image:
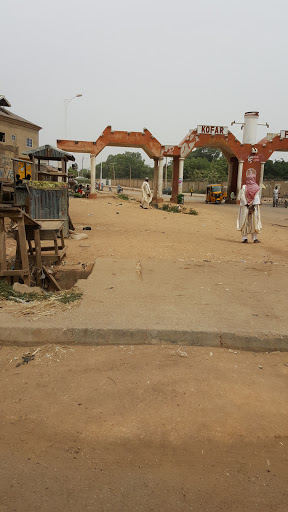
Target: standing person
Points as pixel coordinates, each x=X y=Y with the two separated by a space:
x=191 y=191
x=146 y=194
x=249 y=220
x=275 y=196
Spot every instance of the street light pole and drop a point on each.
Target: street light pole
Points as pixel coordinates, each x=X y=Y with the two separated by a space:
x=66 y=103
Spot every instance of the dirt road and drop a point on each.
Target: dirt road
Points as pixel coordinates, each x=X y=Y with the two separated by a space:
x=172 y=271
x=143 y=429
x=121 y=229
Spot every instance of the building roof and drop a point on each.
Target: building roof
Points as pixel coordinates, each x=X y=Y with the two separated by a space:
x=4 y=102
x=48 y=152
x=9 y=116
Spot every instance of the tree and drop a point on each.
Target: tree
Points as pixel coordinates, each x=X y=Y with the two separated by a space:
x=122 y=163
x=276 y=170
x=205 y=164
x=72 y=172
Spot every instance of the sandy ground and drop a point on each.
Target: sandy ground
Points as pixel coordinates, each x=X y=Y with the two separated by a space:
x=122 y=229
x=167 y=270
x=152 y=428
x=143 y=429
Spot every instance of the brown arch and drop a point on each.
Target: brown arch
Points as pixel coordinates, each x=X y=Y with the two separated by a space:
x=144 y=140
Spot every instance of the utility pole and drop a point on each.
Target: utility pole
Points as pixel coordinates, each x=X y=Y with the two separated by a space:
x=82 y=164
x=113 y=165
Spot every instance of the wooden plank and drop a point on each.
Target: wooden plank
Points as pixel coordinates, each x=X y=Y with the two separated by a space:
x=52 y=279
x=62 y=239
x=55 y=244
x=15 y=273
x=23 y=250
x=3 y=263
x=18 y=256
x=38 y=257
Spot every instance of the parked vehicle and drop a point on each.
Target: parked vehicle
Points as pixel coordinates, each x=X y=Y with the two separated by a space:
x=167 y=191
x=214 y=194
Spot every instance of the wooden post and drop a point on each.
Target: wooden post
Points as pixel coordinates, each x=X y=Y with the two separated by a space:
x=55 y=244
x=33 y=168
x=23 y=250
x=3 y=263
x=62 y=238
x=39 y=168
x=38 y=256
x=63 y=166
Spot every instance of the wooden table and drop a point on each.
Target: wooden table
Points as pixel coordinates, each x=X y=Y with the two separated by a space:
x=25 y=225
x=50 y=230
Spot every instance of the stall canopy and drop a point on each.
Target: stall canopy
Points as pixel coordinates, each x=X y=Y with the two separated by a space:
x=49 y=153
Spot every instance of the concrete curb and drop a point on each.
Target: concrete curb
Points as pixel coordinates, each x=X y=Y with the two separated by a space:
x=35 y=336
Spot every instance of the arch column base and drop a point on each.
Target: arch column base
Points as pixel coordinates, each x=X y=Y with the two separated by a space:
x=157 y=200
x=92 y=196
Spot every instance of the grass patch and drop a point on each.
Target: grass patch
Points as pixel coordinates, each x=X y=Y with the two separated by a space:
x=69 y=297
x=177 y=209
x=7 y=293
x=124 y=197
x=167 y=208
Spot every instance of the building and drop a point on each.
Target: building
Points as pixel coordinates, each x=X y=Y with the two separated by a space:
x=16 y=135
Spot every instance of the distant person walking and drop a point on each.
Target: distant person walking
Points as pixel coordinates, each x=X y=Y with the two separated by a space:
x=249 y=220
x=275 y=196
x=191 y=191
x=146 y=194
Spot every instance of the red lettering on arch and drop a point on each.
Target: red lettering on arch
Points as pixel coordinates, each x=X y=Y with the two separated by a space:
x=221 y=130
x=203 y=129
x=207 y=129
x=216 y=130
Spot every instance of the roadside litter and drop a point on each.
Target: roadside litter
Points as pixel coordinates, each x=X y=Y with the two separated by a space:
x=27 y=358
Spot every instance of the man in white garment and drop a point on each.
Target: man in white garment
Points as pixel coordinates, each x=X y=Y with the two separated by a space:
x=275 y=196
x=146 y=194
x=249 y=220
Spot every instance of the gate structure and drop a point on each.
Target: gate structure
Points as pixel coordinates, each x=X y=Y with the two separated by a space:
x=240 y=155
x=144 y=140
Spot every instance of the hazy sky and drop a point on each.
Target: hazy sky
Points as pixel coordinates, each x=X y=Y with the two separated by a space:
x=161 y=64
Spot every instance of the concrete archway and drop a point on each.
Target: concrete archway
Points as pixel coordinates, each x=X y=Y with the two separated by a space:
x=143 y=140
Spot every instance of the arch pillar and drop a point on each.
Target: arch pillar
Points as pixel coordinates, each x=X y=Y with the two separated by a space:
x=181 y=173
x=175 y=179
x=261 y=177
x=160 y=180
x=232 y=177
x=239 y=177
x=155 y=180
x=92 y=194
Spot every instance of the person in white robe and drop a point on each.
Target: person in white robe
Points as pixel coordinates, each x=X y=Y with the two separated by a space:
x=275 y=196
x=146 y=194
x=249 y=219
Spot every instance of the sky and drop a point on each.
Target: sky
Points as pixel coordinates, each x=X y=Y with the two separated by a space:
x=161 y=64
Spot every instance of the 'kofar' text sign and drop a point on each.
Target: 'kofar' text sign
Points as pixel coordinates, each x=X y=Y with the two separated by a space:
x=212 y=130
x=284 y=134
